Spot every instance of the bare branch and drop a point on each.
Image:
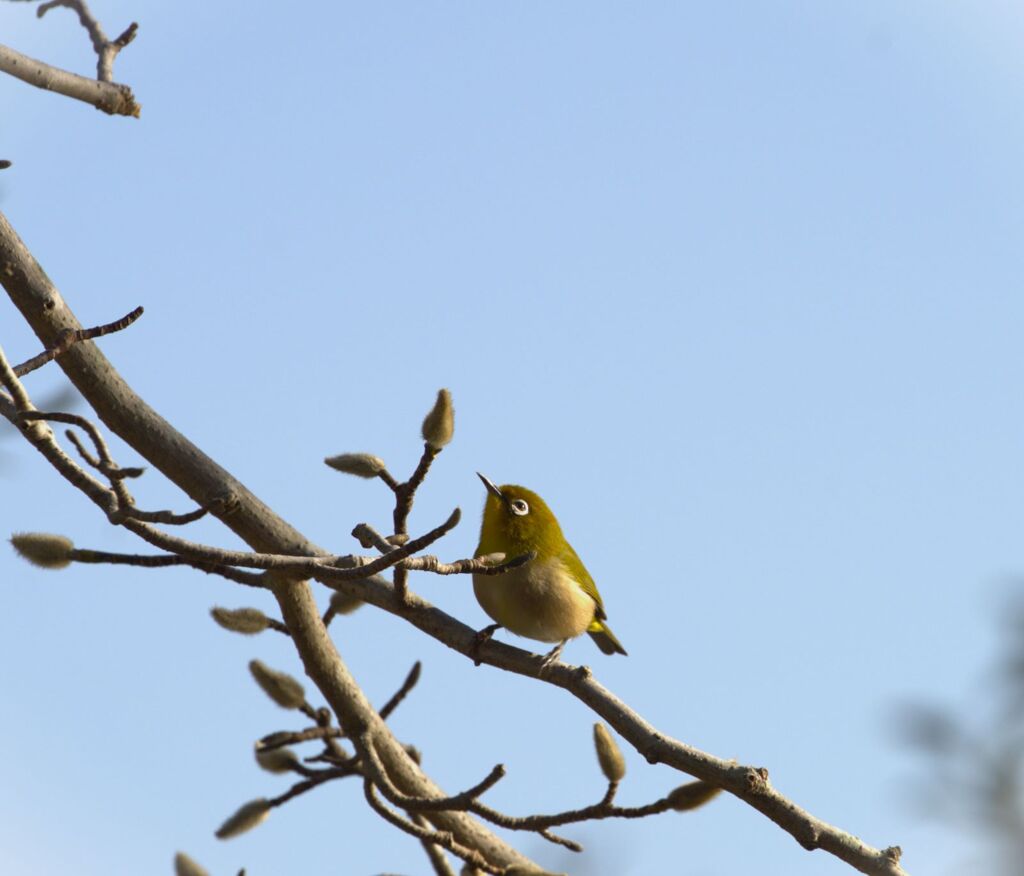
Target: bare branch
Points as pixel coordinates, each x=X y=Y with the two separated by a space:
x=368 y=537
x=489 y=565
x=106 y=50
x=406 y=492
x=461 y=801
x=111 y=97
x=328 y=568
x=437 y=859
x=281 y=739
x=404 y=495
x=128 y=416
x=403 y=691
x=105 y=464
x=318 y=778
x=425 y=835
x=81 y=555
x=69 y=337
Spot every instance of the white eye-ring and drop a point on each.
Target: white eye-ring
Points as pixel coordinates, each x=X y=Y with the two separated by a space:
x=519 y=507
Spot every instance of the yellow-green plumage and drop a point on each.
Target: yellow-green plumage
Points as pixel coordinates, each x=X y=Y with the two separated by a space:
x=551 y=598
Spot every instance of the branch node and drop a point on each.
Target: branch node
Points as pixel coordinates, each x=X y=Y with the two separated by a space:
x=757 y=780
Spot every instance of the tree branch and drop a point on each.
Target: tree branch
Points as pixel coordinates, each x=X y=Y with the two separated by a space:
x=129 y=417
x=106 y=50
x=111 y=97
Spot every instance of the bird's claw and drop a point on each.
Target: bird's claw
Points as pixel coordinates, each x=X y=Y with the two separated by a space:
x=551 y=658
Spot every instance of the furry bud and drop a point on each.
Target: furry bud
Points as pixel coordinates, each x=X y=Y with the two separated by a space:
x=342 y=603
x=279 y=686
x=247 y=621
x=43 y=549
x=245 y=818
x=277 y=760
x=362 y=465
x=613 y=764
x=691 y=795
x=185 y=866
x=439 y=425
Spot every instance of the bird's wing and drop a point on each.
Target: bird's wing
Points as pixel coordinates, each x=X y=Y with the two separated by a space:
x=582 y=577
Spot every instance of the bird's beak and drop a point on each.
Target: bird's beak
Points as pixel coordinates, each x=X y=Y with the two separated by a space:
x=490 y=487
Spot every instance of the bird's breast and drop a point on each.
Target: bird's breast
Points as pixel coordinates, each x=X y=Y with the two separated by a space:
x=539 y=600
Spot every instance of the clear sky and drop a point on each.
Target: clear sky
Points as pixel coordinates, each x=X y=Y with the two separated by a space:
x=735 y=287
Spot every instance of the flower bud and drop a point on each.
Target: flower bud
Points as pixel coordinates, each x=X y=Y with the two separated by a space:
x=43 y=549
x=342 y=603
x=277 y=760
x=279 y=686
x=613 y=764
x=362 y=465
x=245 y=818
x=691 y=795
x=247 y=621
x=275 y=738
x=185 y=866
x=439 y=425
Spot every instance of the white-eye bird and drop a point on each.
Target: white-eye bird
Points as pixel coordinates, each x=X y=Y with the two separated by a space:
x=551 y=598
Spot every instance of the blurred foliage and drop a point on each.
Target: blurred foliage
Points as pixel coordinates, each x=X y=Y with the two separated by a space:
x=973 y=760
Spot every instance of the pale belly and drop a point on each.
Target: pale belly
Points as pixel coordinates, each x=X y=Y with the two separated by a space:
x=538 y=600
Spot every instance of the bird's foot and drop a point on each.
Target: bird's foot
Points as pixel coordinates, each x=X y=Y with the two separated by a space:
x=480 y=638
x=551 y=658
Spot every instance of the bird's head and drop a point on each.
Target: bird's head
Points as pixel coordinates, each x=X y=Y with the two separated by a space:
x=517 y=521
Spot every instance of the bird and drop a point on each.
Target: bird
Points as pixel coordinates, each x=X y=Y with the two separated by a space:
x=550 y=598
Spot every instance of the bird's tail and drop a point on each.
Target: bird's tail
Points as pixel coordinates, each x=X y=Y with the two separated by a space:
x=605 y=638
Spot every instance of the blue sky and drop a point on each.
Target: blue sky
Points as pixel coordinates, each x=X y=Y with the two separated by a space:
x=733 y=286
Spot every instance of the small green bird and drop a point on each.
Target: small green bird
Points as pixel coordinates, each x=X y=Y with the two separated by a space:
x=552 y=598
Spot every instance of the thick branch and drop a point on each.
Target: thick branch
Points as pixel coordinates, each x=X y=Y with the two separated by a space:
x=750 y=784
x=129 y=417
x=110 y=97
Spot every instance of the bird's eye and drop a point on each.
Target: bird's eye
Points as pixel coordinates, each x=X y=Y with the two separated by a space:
x=520 y=507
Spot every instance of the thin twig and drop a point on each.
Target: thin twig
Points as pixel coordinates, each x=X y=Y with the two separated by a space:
x=487 y=565
x=106 y=50
x=597 y=811
x=434 y=837
x=458 y=802
x=407 y=492
x=404 y=495
x=402 y=692
x=387 y=477
x=437 y=859
x=312 y=782
x=103 y=462
x=69 y=337
x=83 y=555
x=281 y=739
x=328 y=568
